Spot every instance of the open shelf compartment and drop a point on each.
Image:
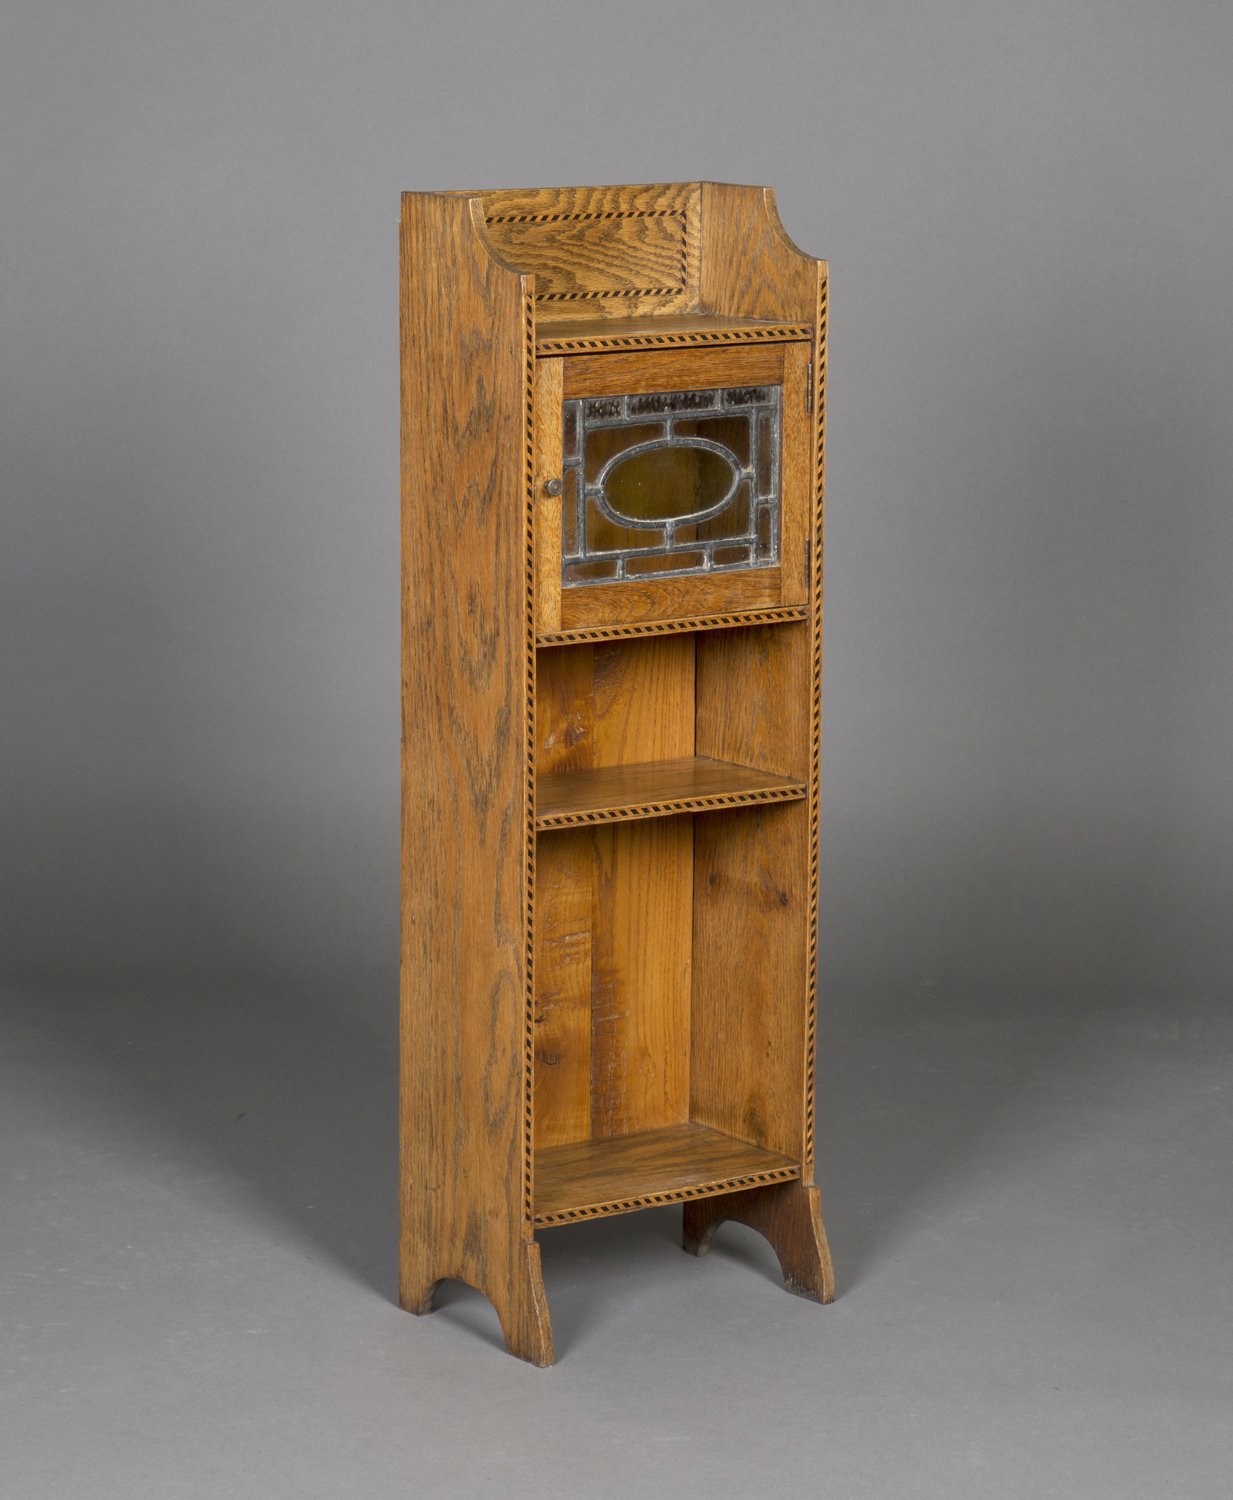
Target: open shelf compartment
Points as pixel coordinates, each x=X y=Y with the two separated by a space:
x=617 y=1174
x=671 y=918
x=655 y=789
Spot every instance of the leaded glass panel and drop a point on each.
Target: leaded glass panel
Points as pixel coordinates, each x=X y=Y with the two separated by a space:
x=670 y=483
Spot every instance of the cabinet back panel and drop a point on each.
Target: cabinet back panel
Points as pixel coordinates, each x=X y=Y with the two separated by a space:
x=751 y=909
x=752 y=696
x=602 y=252
x=564 y=896
x=614 y=914
x=614 y=703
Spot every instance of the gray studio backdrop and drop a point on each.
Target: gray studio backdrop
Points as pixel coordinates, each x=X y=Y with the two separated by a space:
x=1028 y=212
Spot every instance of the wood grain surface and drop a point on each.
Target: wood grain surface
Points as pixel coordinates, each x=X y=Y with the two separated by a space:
x=662 y=599
x=630 y=1070
x=465 y=744
x=789 y=1215
x=600 y=708
x=747 y=1064
x=548 y=440
x=564 y=900
x=614 y=703
x=751 y=697
x=581 y=255
x=796 y=475
x=601 y=1173
x=600 y=253
x=750 y=268
x=655 y=789
x=641 y=974
x=671 y=370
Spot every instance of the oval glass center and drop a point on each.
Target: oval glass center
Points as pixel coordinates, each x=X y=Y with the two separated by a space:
x=664 y=483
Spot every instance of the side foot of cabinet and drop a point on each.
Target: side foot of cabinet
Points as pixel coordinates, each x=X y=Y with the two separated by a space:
x=789 y=1215
x=525 y=1321
x=518 y=1298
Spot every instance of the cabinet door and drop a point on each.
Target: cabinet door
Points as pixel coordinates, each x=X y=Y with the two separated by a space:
x=671 y=484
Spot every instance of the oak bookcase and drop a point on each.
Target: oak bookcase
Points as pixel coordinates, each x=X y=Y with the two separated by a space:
x=612 y=482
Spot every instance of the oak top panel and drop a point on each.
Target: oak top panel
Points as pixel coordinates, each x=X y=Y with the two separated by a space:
x=688 y=1158
x=654 y=789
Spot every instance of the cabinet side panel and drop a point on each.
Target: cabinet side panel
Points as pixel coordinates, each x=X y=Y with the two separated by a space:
x=751 y=897
x=465 y=860
x=750 y=268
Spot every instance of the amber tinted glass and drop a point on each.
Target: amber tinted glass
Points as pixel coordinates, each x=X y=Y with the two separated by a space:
x=664 y=483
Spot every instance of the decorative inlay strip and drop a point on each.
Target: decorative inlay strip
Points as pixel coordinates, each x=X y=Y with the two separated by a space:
x=780 y=615
x=528 y=732
x=815 y=752
x=676 y=1195
x=778 y=334
x=628 y=291
x=616 y=213
x=671 y=806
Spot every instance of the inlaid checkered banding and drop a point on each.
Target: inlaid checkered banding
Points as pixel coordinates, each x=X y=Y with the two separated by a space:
x=528 y=1060
x=676 y=1195
x=628 y=291
x=779 y=334
x=671 y=806
x=815 y=731
x=779 y=615
x=615 y=213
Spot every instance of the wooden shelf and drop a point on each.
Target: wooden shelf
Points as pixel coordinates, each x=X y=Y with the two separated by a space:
x=784 y=614
x=655 y=789
x=682 y=330
x=620 y=1173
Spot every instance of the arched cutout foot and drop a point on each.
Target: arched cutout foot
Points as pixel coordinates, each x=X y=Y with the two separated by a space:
x=520 y=1303
x=421 y=1299
x=789 y=1215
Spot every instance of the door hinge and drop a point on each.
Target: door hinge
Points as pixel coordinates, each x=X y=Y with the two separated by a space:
x=809 y=388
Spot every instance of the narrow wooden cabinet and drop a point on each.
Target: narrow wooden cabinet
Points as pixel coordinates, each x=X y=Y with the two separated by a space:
x=612 y=486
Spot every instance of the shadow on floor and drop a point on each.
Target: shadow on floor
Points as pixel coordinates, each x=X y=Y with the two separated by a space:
x=914 y=1088
x=298 y=1098
x=295 y=1097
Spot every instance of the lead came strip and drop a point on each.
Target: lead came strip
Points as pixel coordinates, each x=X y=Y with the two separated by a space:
x=670 y=484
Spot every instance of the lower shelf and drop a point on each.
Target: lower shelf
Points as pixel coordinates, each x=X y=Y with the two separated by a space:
x=620 y=1173
x=655 y=789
